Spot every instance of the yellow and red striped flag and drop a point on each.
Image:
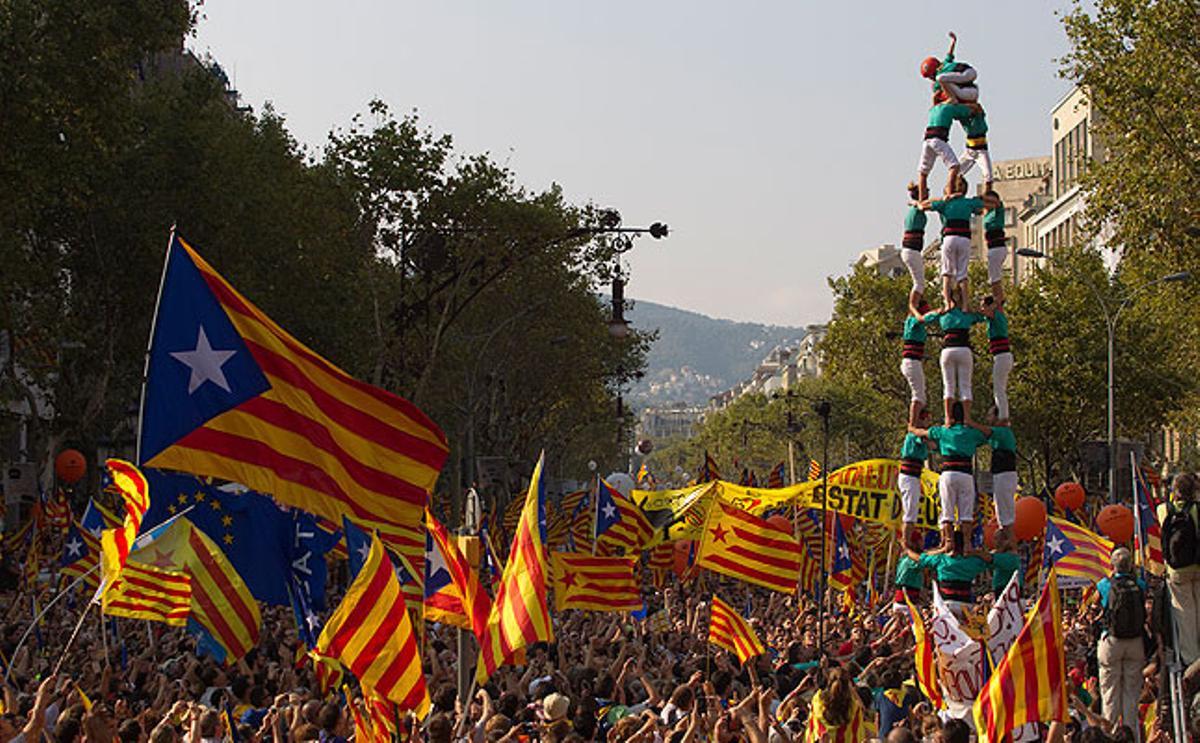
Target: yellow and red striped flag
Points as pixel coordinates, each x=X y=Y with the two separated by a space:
x=1075 y=552
x=462 y=601
x=230 y=394
x=746 y=547
x=583 y=581
x=728 y=630
x=372 y=635
x=1029 y=684
x=630 y=531
x=147 y=592
x=814 y=470
x=221 y=602
x=856 y=729
x=925 y=660
x=519 y=615
x=116 y=544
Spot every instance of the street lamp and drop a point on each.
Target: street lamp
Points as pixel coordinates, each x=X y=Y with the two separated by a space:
x=1110 y=322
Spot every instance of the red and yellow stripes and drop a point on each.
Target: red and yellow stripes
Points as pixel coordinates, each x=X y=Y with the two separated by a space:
x=473 y=601
x=632 y=532
x=728 y=630
x=857 y=729
x=1029 y=684
x=924 y=659
x=317 y=439
x=148 y=592
x=583 y=581
x=1092 y=557
x=519 y=615
x=372 y=635
x=746 y=547
x=135 y=495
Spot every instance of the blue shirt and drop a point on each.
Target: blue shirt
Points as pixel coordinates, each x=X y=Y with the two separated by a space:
x=1105 y=588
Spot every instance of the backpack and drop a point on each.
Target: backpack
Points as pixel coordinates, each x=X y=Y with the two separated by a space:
x=1126 y=608
x=1181 y=536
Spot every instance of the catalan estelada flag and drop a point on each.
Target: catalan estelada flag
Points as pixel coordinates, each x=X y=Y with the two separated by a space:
x=371 y=634
x=814 y=470
x=519 y=616
x=709 y=471
x=147 y=592
x=1075 y=552
x=57 y=511
x=775 y=478
x=116 y=544
x=230 y=394
x=453 y=592
x=80 y=556
x=619 y=523
x=820 y=729
x=1029 y=684
x=729 y=630
x=746 y=547
x=224 y=612
x=583 y=581
x=1148 y=538
x=925 y=659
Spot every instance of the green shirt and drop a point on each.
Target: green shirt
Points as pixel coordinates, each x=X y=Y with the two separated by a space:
x=1002 y=439
x=915 y=219
x=956 y=319
x=1004 y=564
x=959 y=568
x=908 y=573
x=993 y=219
x=976 y=125
x=914 y=448
x=957 y=441
x=998 y=325
x=914 y=329
x=944 y=115
x=959 y=208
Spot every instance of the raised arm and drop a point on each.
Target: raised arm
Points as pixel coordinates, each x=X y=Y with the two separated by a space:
x=953 y=43
x=985 y=430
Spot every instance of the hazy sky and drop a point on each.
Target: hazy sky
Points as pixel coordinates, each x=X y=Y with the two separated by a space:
x=774 y=138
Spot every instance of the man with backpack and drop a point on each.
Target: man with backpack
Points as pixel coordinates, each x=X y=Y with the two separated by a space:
x=1180 y=519
x=1121 y=653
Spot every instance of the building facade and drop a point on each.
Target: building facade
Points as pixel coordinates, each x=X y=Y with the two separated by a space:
x=1015 y=182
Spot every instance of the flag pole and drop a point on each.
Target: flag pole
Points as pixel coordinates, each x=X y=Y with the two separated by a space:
x=75 y=633
x=1142 y=553
x=162 y=280
x=50 y=604
x=596 y=516
x=103 y=636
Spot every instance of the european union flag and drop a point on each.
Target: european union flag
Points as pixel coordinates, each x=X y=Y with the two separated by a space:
x=266 y=544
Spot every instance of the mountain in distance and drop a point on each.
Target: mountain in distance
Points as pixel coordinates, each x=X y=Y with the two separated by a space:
x=697 y=356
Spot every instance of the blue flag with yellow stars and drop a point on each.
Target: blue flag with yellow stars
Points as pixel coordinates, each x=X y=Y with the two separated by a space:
x=269 y=546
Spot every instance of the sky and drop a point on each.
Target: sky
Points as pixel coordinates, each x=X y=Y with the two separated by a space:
x=775 y=138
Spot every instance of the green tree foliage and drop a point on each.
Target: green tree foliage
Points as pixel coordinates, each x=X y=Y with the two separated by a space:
x=427 y=271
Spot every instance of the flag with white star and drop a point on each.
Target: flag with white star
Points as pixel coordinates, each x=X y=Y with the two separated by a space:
x=80 y=555
x=1078 y=555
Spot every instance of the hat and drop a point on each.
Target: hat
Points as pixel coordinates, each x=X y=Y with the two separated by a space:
x=555 y=706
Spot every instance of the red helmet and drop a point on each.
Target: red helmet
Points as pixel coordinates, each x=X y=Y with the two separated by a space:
x=930 y=66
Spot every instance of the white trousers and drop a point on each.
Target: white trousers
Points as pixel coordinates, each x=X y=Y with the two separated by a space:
x=953 y=83
x=914 y=371
x=931 y=150
x=1184 y=588
x=1002 y=365
x=970 y=157
x=996 y=258
x=910 y=496
x=957 y=366
x=915 y=263
x=1004 y=495
x=1121 y=664
x=956 y=254
x=956 y=490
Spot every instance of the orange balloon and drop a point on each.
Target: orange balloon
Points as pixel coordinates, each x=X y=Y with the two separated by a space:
x=1030 y=520
x=70 y=466
x=1116 y=523
x=780 y=522
x=1069 y=496
x=681 y=558
x=989 y=533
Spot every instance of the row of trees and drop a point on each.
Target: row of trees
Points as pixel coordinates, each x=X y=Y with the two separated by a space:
x=427 y=271
x=1139 y=63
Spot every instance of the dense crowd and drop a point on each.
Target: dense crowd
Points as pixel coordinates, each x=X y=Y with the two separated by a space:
x=607 y=676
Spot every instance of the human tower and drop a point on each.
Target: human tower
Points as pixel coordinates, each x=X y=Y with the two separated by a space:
x=956 y=99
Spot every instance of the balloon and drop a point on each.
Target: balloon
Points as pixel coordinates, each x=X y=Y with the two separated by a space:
x=989 y=533
x=1031 y=518
x=1116 y=523
x=645 y=446
x=780 y=522
x=682 y=557
x=1069 y=496
x=70 y=466
x=621 y=482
